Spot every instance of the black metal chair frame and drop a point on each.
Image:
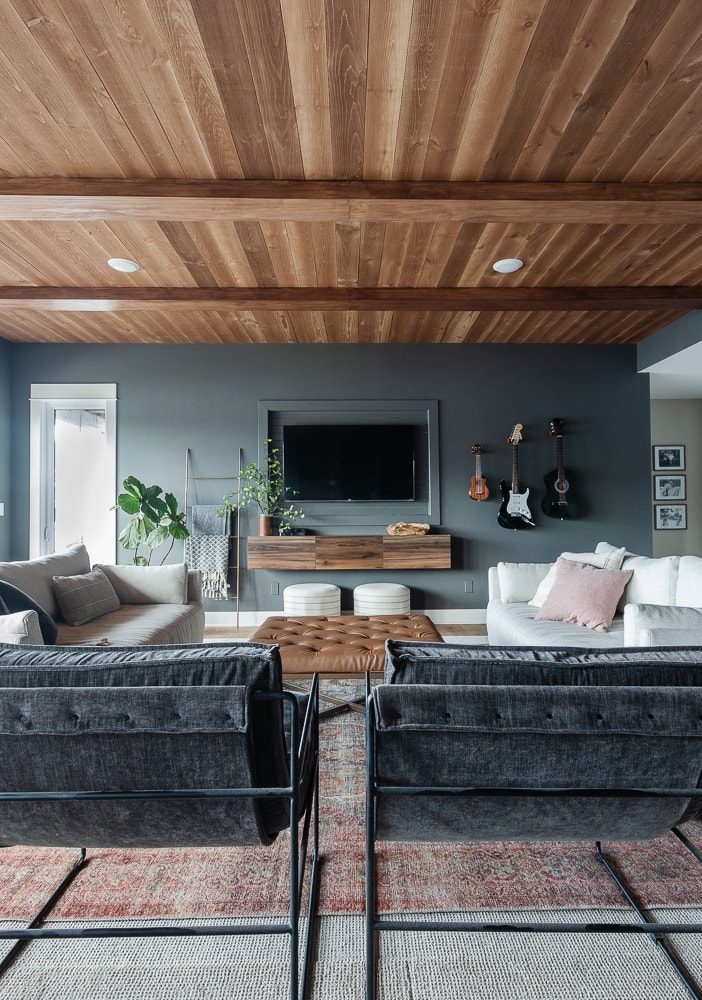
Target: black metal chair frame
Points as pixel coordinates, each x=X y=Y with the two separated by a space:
x=303 y=736
x=375 y=924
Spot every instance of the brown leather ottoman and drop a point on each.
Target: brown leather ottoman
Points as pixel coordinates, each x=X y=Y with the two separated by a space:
x=340 y=645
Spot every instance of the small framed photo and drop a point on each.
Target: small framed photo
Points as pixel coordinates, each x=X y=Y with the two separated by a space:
x=670 y=487
x=668 y=457
x=670 y=516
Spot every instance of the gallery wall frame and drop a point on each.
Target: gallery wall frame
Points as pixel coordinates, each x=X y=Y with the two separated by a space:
x=670 y=517
x=670 y=487
x=668 y=457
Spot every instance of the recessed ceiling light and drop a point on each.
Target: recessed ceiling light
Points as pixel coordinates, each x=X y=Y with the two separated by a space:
x=123 y=264
x=508 y=265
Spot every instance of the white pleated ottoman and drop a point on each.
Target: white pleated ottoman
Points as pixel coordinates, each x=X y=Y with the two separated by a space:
x=381 y=599
x=312 y=599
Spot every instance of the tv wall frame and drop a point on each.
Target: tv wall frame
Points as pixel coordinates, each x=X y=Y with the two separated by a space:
x=275 y=414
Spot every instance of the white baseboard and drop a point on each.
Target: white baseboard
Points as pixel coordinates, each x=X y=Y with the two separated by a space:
x=441 y=616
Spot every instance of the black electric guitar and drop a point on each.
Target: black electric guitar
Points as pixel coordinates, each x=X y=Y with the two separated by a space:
x=559 y=500
x=478 y=487
x=514 y=511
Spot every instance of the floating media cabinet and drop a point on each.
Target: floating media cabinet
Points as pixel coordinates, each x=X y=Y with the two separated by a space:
x=349 y=552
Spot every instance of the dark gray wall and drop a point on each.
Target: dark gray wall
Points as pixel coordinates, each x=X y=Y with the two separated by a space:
x=5 y=448
x=206 y=398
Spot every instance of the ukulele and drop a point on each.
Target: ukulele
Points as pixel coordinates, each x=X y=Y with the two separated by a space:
x=514 y=511
x=559 y=500
x=478 y=488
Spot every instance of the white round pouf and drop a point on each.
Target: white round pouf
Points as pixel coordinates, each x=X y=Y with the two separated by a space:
x=312 y=599
x=381 y=599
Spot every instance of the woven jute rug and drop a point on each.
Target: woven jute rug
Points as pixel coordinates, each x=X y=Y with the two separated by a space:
x=417 y=966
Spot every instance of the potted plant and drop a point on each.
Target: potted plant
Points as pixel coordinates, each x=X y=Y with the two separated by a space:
x=155 y=518
x=264 y=488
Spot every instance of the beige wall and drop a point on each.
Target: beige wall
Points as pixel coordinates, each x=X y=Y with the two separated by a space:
x=679 y=421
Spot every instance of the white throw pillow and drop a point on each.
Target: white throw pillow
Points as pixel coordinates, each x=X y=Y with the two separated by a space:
x=654 y=580
x=600 y=560
x=518 y=581
x=688 y=592
x=148 y=584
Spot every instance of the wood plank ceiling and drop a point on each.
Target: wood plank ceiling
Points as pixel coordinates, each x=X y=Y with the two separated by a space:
x=342 y=171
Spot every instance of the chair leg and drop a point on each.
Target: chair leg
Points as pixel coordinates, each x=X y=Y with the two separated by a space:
x=310 y=826
x=338 y=706
x=660 y=939
x=686 y=842
x=20 y=945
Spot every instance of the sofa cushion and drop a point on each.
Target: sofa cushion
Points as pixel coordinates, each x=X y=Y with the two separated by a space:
x=688 y=592
x=603 y=560
x=138 y=625
x=443 y=663
x=536 y=737
x=518 y=581
x=255 y=664
x=515 y=625
x=148 y=584
x=584 y=595
x=654 y=580
x=36 y=576
x=15 y=599
x=85 y=596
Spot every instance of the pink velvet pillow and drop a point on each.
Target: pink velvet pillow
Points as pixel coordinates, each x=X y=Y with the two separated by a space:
x=584 y=595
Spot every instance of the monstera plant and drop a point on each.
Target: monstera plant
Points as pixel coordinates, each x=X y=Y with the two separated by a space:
x=154 y=519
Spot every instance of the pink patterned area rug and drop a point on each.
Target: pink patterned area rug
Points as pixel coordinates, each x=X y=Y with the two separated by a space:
x=412 y=877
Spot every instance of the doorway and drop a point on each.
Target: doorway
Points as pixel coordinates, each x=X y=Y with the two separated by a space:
x=73 y=469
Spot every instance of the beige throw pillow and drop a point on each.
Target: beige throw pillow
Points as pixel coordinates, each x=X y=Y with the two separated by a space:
x=149 y=584
x=85 y=596
x=584 y=595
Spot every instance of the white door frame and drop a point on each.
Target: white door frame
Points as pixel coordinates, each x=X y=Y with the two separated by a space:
x=45 y=399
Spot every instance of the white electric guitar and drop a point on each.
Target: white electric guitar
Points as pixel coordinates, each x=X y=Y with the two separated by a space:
x=514 y=511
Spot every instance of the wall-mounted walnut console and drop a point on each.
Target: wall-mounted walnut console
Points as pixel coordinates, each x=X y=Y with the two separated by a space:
x=349 y=552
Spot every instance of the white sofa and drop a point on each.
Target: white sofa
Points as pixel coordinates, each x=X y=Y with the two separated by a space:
x=660 y=605
x=150 y=605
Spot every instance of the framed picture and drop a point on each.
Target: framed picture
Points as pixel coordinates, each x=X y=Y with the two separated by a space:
x=670 y=487
x=668 y=457
x=670 y=516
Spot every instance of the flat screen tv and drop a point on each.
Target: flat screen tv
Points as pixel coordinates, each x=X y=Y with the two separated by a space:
x=350 y=462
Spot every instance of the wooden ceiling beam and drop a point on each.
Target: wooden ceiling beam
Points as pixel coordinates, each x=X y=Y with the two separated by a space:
x=56 y=199
x=350 y=299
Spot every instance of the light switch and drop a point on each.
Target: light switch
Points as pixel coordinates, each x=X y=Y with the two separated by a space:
x=2 y=509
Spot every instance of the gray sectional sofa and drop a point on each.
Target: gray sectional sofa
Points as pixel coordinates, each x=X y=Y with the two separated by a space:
x=70 y=602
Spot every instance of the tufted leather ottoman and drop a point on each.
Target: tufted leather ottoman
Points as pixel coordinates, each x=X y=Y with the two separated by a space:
x=337 y=645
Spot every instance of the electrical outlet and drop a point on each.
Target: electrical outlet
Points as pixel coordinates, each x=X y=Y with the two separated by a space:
x=468 y=586
x=275 y=588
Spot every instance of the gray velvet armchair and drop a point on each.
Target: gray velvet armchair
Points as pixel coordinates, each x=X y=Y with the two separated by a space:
x=477 y=744
x=194 y=745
